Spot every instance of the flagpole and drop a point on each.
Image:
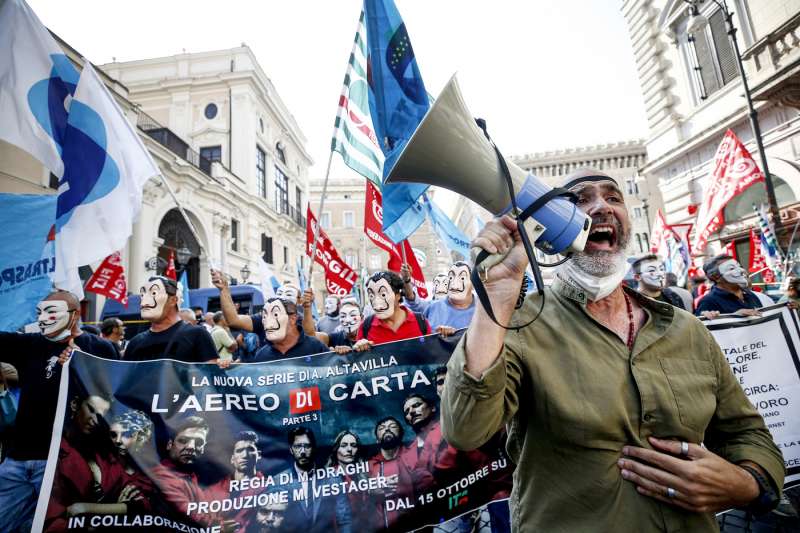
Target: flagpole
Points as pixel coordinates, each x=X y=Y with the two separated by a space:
x=328 y=169
x=319 y=219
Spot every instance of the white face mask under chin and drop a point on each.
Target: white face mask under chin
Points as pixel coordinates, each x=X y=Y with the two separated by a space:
x=595 y=287
x=60 y=337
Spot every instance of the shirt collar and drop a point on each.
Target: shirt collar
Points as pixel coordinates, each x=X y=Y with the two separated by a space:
x=575 y=293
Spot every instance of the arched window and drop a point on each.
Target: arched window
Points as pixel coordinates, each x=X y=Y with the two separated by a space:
x=639 y=243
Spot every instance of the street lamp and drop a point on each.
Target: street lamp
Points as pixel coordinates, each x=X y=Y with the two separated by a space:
x=183 y=254
x=696 y=23
x=245 y=272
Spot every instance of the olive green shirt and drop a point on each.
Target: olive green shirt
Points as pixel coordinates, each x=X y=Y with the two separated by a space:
x=572 y=395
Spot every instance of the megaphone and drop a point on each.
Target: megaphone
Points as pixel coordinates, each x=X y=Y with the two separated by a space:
x=449 y=150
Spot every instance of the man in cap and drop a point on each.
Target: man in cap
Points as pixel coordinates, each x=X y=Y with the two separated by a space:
x=607 y=395
x=730 y=293
x=36 y=359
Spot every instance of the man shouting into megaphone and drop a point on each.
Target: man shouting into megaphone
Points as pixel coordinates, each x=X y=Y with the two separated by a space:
x=622 y=412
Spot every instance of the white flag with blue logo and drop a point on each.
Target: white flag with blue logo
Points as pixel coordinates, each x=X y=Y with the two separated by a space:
x=269 y=283
x=36 y=83
x=105 y=168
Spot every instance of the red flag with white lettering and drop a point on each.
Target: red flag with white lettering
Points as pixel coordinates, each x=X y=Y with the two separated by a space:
x=109 y=280
x=373 y=227
x=730 y=249
x=339 y=277
x=758 y=261
x=734 y=171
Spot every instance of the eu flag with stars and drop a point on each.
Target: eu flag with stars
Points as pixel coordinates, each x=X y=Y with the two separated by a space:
x=398 y=102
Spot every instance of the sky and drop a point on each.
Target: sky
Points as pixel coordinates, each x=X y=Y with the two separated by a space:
x=544 y=75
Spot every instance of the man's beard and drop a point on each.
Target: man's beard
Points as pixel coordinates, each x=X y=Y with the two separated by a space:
x=389 y=442
x=599 y=264
x=604 y=263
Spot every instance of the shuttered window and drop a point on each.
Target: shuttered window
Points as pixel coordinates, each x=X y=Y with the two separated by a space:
x=715 y=61
x=725 y=56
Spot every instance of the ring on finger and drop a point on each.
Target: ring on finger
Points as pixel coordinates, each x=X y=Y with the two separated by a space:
x=684 y=449
x=671 y=492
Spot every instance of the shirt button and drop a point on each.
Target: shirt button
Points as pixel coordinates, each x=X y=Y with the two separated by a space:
x=648 y=417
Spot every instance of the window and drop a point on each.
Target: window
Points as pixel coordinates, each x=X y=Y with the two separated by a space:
x=266 y=248
x=637 y=212
x=212 y=153
x=631 y=186
x=279 y=151
x=639 y=243
x=298 y=201
x=374 y=261
x=281 y=192
x=208 y=154
x=646 y=241
x=714 y=61
x=210 y=111
x=261 y=172
x=351 y=259
x=325 y=220
x=234 y=235
x=349 y=219
x=286 y=255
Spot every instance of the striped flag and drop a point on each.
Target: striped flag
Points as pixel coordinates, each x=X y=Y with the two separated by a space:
x=354 y=134
x=769 y=244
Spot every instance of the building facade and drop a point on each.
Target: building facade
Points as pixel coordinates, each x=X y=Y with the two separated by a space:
x=693 y=94
x=231 y=156
x=342 y=219
x=621 y=161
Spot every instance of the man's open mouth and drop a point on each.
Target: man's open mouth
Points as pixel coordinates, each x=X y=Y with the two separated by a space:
x=604 y=235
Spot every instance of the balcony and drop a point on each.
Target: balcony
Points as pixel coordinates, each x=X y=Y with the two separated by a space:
x=293 y=213
x=169 y=140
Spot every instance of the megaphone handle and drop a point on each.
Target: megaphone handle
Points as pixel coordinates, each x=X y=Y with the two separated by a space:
x=484 y=261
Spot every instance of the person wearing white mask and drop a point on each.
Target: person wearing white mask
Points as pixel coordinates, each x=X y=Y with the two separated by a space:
x=618 y=407
x=36 y=358
x=730 y=294
x=651 y=275
x=330 y=322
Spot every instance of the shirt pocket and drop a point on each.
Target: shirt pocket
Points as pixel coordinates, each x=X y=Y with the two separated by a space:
x=694 y=386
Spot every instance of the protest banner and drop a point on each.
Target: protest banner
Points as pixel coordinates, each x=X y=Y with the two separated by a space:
x=336 y=443
x=763 y=355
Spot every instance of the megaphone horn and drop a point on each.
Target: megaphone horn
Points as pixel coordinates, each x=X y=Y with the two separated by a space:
x=449 y=150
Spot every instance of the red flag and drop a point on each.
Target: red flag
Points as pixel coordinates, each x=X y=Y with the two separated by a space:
x=758 y=261
x=339 y=277
x=730 y=249
x=658 y=234
x=373 y=227
x=734 y=171
x=396 y=262
x=373 y=219
x=109 y=280
x=170 y=270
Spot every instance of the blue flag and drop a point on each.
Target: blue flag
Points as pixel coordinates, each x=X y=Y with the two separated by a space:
x=451 y=236
x=398 y=102
x=27 y=256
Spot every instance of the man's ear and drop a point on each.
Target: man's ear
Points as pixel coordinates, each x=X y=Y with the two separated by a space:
x=73 y=405
x=169 y=444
